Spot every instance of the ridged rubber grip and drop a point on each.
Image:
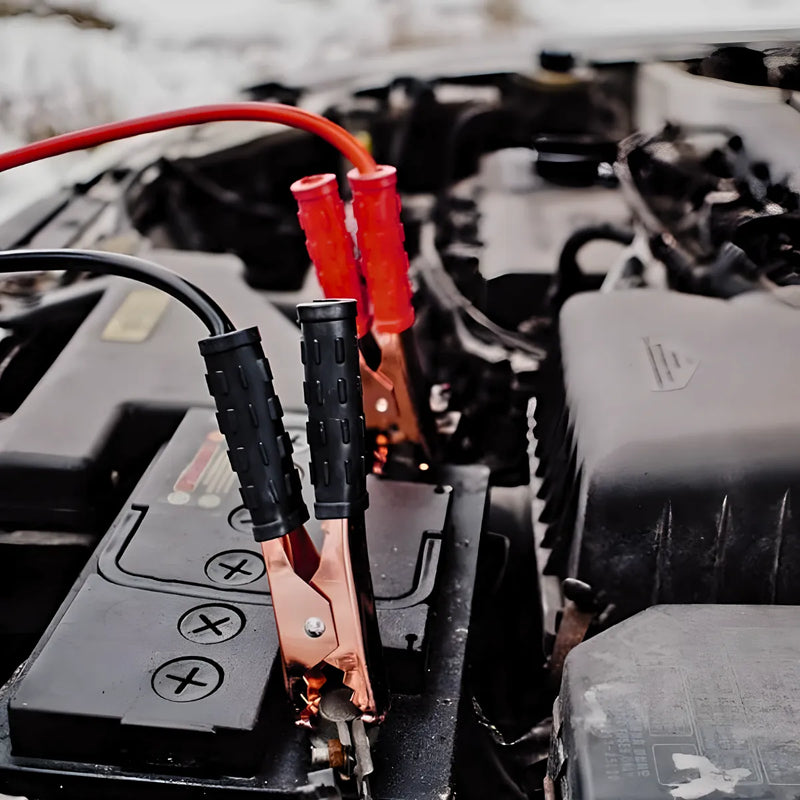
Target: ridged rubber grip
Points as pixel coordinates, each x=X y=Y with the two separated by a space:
x=250 y=417
x=329 y=244
x=380 y=236
x=332 y=390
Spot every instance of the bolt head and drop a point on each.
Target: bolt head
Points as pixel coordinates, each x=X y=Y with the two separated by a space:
x=314 y=627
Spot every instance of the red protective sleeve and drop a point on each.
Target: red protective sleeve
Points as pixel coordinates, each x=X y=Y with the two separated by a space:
x=380 y=237
x=321 y=215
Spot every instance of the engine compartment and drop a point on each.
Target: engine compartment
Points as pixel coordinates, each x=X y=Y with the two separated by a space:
x=605 y=331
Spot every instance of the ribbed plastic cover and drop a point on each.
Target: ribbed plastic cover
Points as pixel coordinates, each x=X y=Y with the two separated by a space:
x=670 y=448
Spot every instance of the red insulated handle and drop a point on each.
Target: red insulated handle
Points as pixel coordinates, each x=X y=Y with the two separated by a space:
x=321 y=215
x=380 y=237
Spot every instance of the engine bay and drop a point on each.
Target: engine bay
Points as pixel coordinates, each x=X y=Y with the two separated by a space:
x=546 y=424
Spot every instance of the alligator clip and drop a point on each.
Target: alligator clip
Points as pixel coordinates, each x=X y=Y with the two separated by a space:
x=393 y=391
x=323 y=601
x=336 y=627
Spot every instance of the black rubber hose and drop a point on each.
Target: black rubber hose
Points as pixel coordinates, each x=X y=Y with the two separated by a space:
x=569 y=276
x=682 y=272
x=124 y=266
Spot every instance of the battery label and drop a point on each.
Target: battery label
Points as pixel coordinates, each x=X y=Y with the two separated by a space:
x=137 y=316
x=207 y=478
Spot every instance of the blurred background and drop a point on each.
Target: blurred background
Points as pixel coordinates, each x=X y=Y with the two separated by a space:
x=71 y=63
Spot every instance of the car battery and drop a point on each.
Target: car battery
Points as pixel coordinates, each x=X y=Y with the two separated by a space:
x=160 y=675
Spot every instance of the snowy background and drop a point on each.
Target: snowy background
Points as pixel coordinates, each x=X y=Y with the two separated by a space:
x=70 y=63
x=67 y=63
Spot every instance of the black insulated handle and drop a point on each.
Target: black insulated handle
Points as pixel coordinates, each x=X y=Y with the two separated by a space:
x=332 y=391
x=250 y=417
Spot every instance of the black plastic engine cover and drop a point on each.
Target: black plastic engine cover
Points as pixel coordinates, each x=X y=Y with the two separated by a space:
x=162 y=664
x=682 y=702
x=669 y=440
x=119 y=388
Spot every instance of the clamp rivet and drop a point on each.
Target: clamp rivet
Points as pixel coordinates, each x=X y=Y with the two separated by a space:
x=314 y=627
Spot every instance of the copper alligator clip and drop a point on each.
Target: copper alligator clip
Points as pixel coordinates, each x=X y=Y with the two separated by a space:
x=323 y=602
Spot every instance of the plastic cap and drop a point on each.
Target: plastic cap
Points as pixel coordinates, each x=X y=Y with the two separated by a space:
x=326 y=310
x=556 y=61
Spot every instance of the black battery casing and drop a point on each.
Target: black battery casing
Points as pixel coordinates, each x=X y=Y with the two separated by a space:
x=88 y=716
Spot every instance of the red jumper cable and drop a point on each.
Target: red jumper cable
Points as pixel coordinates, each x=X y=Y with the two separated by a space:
x=392 y=392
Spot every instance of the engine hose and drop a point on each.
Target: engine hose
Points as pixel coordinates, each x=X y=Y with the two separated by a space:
x=569 y=277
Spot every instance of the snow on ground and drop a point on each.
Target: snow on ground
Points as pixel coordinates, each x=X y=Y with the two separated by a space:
x=160 y=53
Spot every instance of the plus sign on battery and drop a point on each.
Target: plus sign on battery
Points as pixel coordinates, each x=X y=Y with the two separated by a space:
x=183 y=680
x=235 y=567
x=211 y=623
